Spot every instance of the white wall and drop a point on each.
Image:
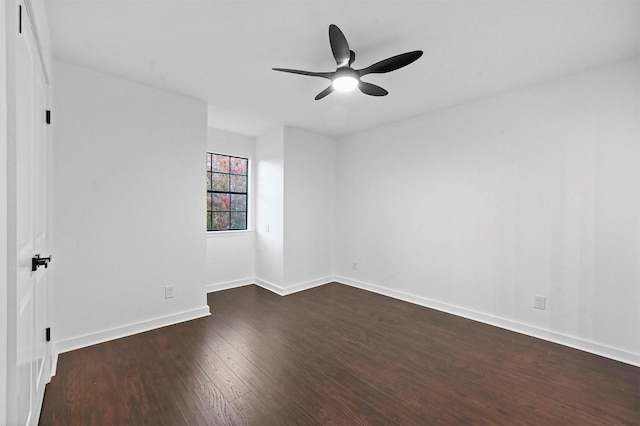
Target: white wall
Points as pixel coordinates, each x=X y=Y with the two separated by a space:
x=270 y=208
x=295 y=220
x=309 y=207
x=129 y=207
x=478 y=208
x=231 y=255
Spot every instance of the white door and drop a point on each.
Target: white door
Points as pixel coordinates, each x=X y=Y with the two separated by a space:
x=33 y=354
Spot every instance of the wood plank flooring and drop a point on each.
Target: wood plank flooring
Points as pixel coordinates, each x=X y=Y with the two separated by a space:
x=335 y=355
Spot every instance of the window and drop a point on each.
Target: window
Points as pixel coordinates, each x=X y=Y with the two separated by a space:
x=227 y=181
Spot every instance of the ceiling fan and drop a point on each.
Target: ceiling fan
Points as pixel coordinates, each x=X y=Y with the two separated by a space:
x=345 y=78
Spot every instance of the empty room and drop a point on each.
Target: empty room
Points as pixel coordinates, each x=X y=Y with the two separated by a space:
x=320 y=212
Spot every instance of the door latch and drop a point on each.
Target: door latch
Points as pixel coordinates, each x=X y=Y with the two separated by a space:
x=37 y=261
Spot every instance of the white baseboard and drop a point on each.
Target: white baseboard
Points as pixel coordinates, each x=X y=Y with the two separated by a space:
x=285 y=291
x=551 y=336
x=90 y=339
x=54 y=363
x=230 y=284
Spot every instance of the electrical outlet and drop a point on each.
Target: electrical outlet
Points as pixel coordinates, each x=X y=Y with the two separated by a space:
x=168 y=292
x=539 y=302
x=355 y=266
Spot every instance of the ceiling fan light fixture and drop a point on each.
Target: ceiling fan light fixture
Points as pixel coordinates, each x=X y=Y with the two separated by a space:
x=345 y=83
x=345 y=78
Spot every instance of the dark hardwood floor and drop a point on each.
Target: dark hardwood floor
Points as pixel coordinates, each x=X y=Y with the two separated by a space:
x=335 y=355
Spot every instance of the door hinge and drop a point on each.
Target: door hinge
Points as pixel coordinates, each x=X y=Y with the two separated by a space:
x=47 y=116
x=19 y=19
x=47 y=334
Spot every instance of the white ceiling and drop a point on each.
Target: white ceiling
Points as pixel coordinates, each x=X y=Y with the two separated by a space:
x=222 y=52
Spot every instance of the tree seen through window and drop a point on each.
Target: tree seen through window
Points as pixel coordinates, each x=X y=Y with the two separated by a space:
x=227 y=182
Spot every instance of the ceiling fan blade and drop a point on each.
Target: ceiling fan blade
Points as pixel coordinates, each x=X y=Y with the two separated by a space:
x=371 y=89
x=339 y=46
x=311 y=73
x=324 y=93
x=391 y=64
x=352 y=57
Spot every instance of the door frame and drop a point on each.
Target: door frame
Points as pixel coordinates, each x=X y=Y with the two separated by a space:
x=4 y=134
